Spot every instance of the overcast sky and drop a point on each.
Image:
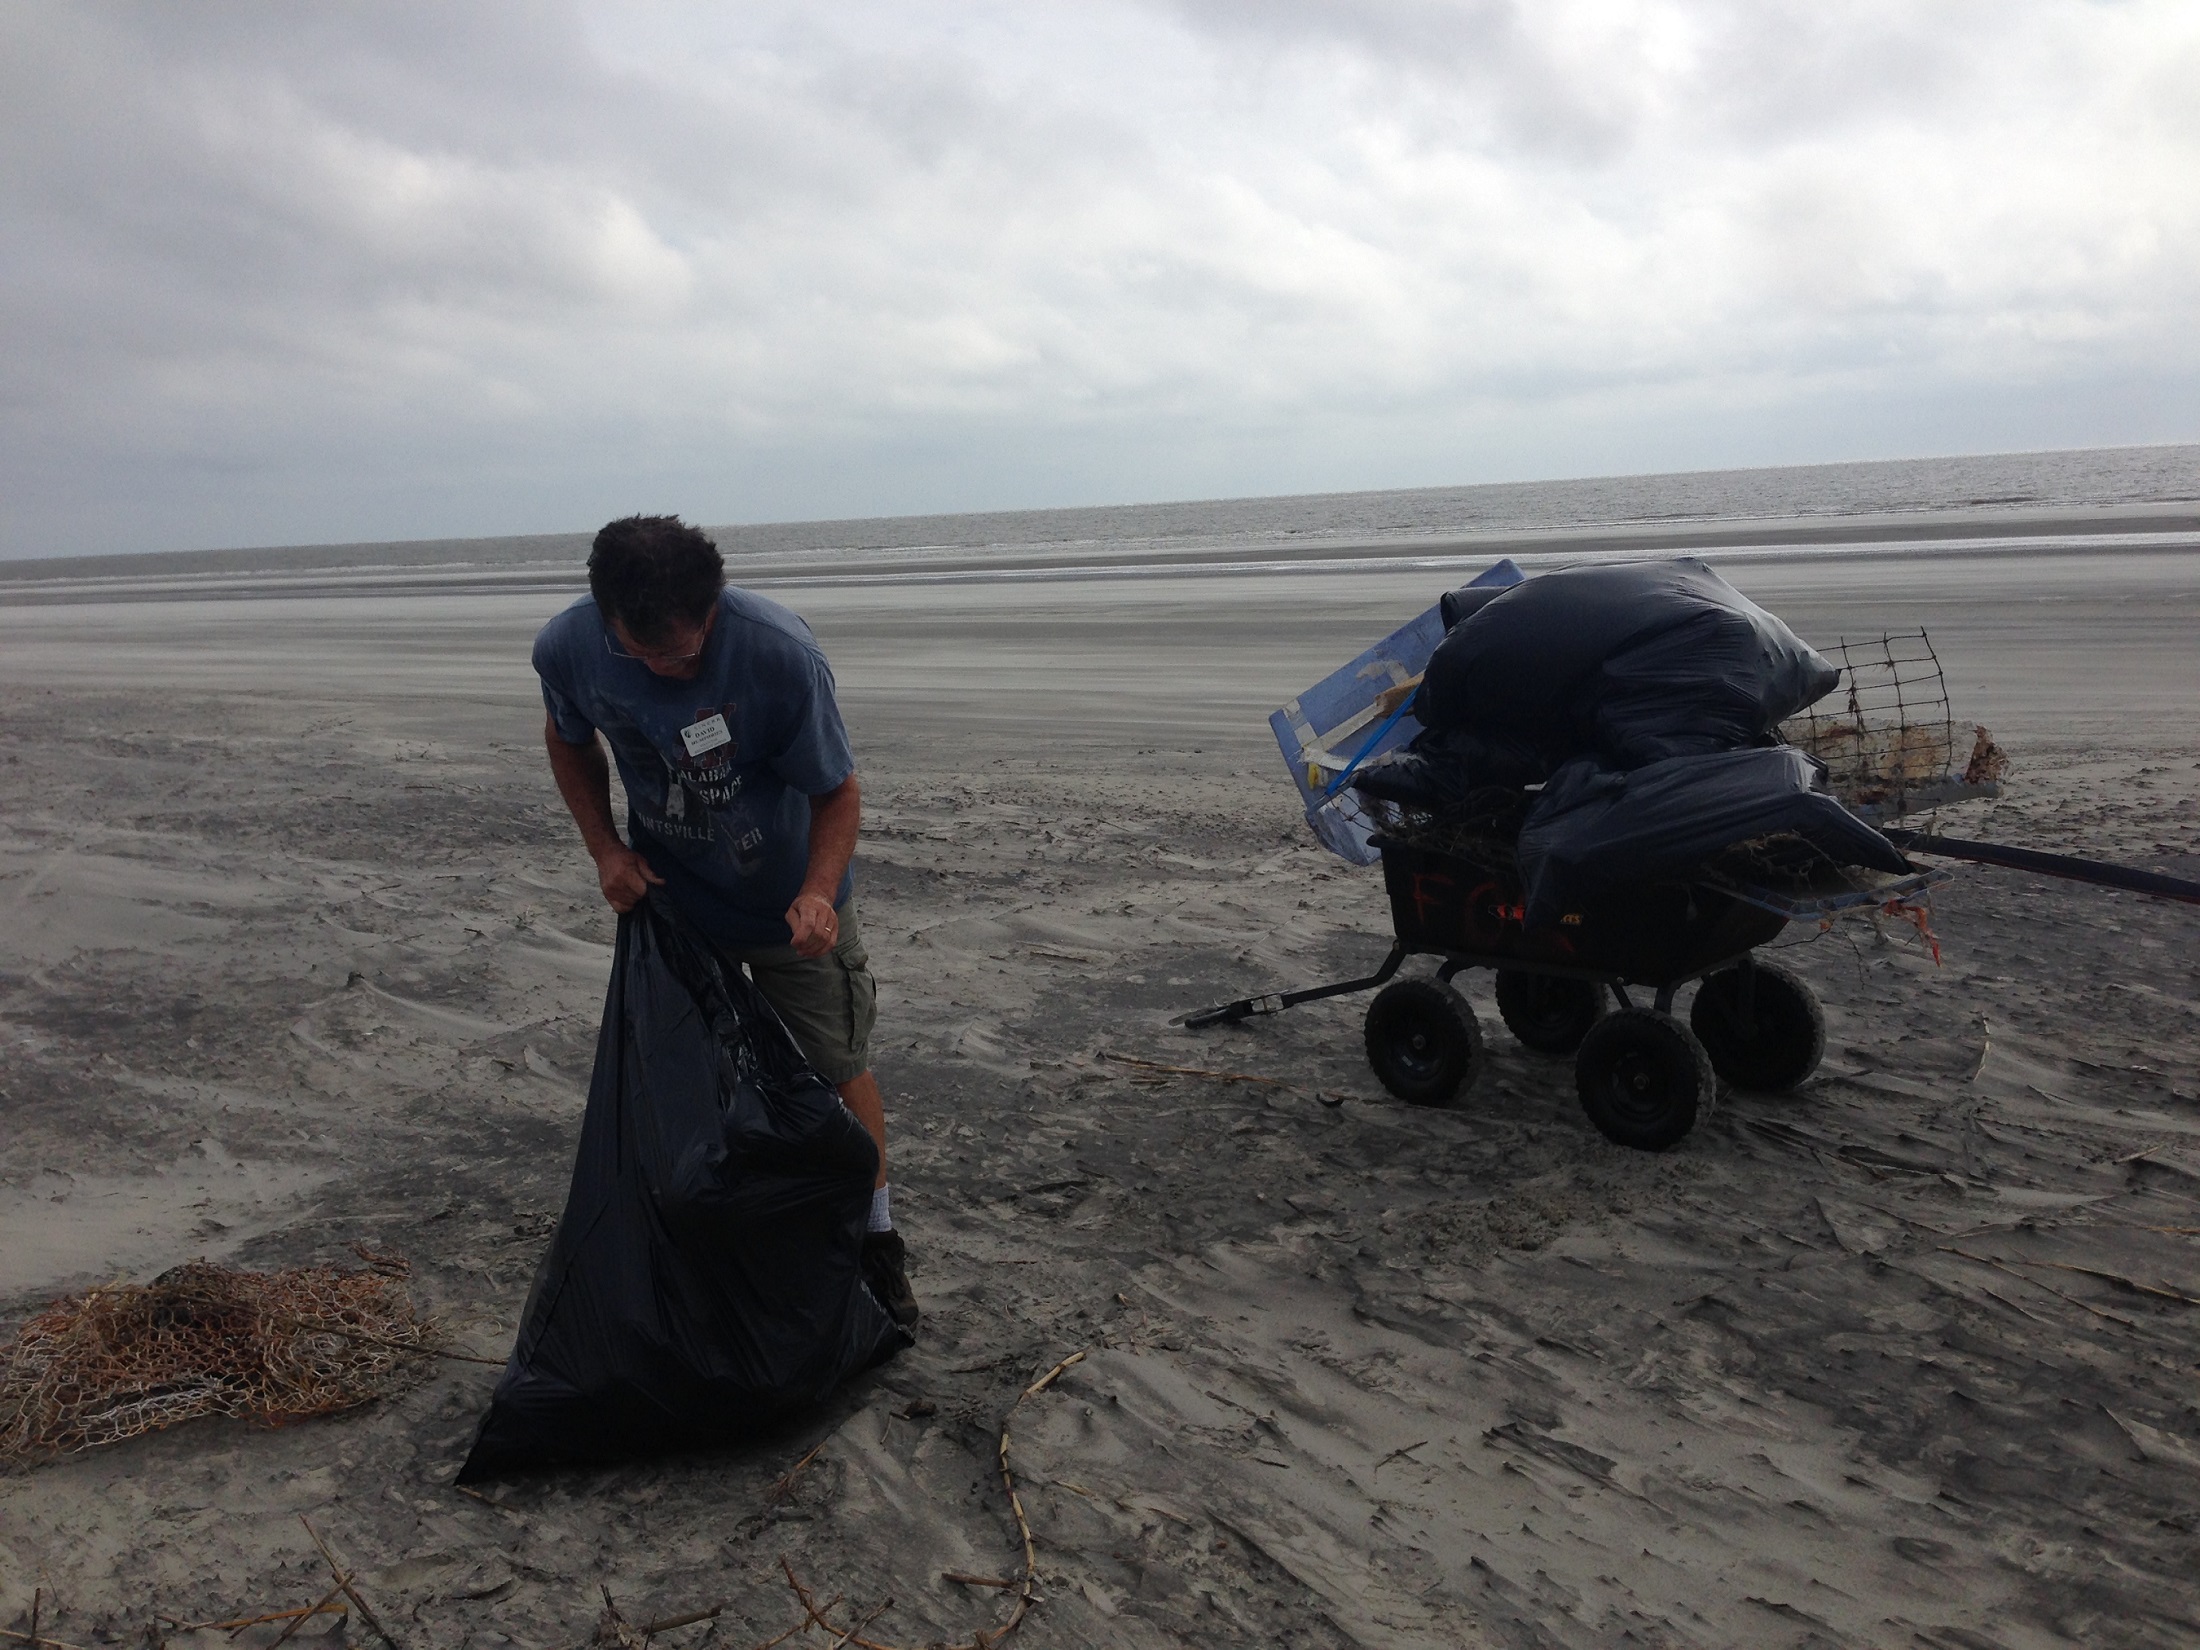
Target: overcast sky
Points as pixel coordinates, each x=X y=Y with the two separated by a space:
x=290 y=273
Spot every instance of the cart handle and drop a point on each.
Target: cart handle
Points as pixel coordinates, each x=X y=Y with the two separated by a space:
x=1276 y=1002
x=2101 y=875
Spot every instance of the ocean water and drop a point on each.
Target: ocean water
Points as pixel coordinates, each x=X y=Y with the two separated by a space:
x=2030 y=481
x=1990 y=502
x=2062 y=591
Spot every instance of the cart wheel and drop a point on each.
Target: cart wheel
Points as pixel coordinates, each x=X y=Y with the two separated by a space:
x=1423 y=1042
x=1772 y=1047
x=1644 y=1079
x=1547 y=1012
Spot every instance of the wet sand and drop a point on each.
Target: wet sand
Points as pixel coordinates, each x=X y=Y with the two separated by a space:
x=300 y=950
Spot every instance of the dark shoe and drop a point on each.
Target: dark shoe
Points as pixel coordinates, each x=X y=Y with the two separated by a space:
x=882 y=1270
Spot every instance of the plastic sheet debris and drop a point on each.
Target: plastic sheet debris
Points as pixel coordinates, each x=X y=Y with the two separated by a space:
x=1364 y=711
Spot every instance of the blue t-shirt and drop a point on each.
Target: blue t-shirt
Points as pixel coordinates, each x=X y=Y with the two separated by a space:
x=719 y=771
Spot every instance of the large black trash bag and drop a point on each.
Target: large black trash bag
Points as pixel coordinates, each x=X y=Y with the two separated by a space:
x=705 y=1277
x=1596 y=830
x=1443 y=767
x=1633 y=661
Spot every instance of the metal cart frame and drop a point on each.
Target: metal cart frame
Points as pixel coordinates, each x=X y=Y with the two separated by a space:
x=1645 y=1077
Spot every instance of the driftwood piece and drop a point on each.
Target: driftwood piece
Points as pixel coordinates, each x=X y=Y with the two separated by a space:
x=668 y=1623
x=350 y=1588
x=238 y=1624
x=2002 y=1266
x=1197 y=1071
x=45 y=1641
x=783 y=1485
x=329 y=1598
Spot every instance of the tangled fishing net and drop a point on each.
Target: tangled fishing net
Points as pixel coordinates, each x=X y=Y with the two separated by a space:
x=202 y=1339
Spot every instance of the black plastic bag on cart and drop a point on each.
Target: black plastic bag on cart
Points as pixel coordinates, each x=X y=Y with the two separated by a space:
x=1634 y=662
x=1442 y=769
x=705 y=1277
x=1596 y=830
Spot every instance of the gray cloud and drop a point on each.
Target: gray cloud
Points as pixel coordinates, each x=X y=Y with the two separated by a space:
x=372 y=270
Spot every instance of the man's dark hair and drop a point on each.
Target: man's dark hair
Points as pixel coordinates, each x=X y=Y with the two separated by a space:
x=652 y=572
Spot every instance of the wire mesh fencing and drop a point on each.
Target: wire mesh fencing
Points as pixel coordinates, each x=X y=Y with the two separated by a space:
x=1887 y=735
x=202 y=1339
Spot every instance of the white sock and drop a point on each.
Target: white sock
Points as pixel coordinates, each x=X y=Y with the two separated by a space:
x=882 y=1219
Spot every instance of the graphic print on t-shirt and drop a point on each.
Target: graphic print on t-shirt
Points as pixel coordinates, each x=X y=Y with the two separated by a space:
x=703 y=791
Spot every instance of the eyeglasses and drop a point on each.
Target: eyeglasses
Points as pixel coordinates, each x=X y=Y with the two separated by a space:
x=612 y=647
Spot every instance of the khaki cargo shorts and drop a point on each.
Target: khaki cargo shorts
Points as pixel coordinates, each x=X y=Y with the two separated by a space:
x=830 y=1003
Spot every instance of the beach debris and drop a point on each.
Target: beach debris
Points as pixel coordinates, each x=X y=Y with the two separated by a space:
x=46 y=1641
x=1195 y=1071
x=775 y=1500
x=338 y=1600
x=2118 y=1279
x=612 y=1630
x=1403 y=1453
x=1916 y=909
x=202 y=1339
x=331 y=1601
x=1587 y=1463
x=1889 y=739
x=2154 y=1444
x=38 y=1609
x=1025 y=1586
x=783 y=1485
x=347 y=1582
x=35 y=1639
x=2048 y=1288
x=1987 y=765
x=1162 y=1072
x=328 y=1606
x=615 y=1632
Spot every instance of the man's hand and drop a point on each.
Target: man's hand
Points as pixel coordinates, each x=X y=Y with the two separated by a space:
x=815 y=923
x=624 y=876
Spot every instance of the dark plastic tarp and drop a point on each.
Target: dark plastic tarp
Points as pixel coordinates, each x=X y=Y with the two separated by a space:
x=1595 y=831
x=705 y=1277
x=1634 y=662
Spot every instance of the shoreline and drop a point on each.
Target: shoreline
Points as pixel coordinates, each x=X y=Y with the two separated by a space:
x=2164 y=530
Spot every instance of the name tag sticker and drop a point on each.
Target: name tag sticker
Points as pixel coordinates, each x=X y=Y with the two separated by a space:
x=706 y=735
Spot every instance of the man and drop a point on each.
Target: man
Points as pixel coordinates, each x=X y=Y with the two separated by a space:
x=742 y=800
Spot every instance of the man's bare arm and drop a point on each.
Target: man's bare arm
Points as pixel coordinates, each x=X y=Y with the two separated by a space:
x=583 y=774
x=835 y=818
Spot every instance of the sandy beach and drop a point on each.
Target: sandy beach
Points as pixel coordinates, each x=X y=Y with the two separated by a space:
x=301 y=950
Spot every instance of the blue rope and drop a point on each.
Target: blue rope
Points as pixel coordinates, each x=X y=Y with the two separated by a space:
x=1367 y=749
